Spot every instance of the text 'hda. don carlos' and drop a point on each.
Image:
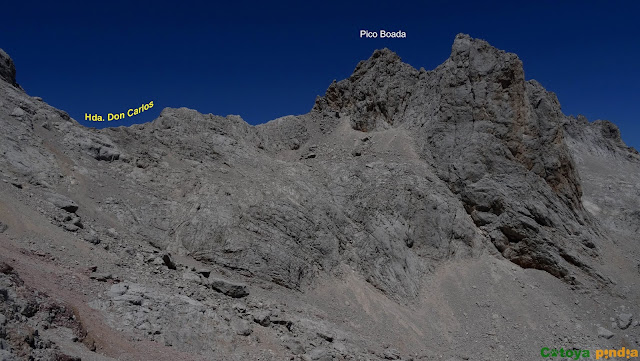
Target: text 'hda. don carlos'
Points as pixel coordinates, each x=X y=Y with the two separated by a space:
x=118 y=116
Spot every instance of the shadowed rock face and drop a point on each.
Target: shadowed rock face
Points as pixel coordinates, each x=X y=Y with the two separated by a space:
x=393 y=171
x=7 y=69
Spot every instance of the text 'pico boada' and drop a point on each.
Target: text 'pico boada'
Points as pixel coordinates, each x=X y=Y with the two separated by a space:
x=383 y=34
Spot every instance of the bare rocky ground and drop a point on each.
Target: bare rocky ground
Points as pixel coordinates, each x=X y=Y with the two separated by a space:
x=452 y=214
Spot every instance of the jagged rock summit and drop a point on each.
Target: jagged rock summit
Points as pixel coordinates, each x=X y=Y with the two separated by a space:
x=493 y=138
x=410 y=214
x=7 y=68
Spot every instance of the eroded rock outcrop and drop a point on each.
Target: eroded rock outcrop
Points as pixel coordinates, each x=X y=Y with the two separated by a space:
x=494 y=138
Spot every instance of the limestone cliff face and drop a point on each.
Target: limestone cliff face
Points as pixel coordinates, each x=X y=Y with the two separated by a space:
x=393 y=171
x=494 y=138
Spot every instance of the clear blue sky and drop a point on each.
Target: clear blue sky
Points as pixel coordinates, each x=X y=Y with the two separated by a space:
x=263 y=60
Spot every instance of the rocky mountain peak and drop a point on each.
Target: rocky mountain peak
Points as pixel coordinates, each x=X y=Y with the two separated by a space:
x=482 y=55
x=382 y=88
x=599 y=136
x=374 y=94
x=381 y=61
x=7 y=68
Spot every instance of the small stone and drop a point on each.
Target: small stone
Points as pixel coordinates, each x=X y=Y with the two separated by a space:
x=3 y=227
x=624 y=320
x=295 y=346
x=239 y=307
x=134 y=299
x=77 y=221
x=92 y=237
x=319 y=353
x=17 y=112
x=30 y=308
x=391 y=354
x=241 y=327
x=325 y=335
x=168 y=261
x=190 y=276
x=111 y=232
x=204 y=271
x=5 y=268
x=263 y=318
x=63 y=202
x=604 y=333
x=117 y=289
x=71 y=227
x=102 y=277
x=340 y=347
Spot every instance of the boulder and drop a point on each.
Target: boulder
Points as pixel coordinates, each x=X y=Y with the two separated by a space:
x=624 y=320
x=263 y=318
x=191 y=276
x=604 y=333
x=117 y=289
x=63 y=202
x=229 y=288
x=241 y=327
x=92 y=237
x=17 y=112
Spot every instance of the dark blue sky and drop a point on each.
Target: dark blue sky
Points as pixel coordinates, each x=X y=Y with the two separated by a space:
x=263 y=60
